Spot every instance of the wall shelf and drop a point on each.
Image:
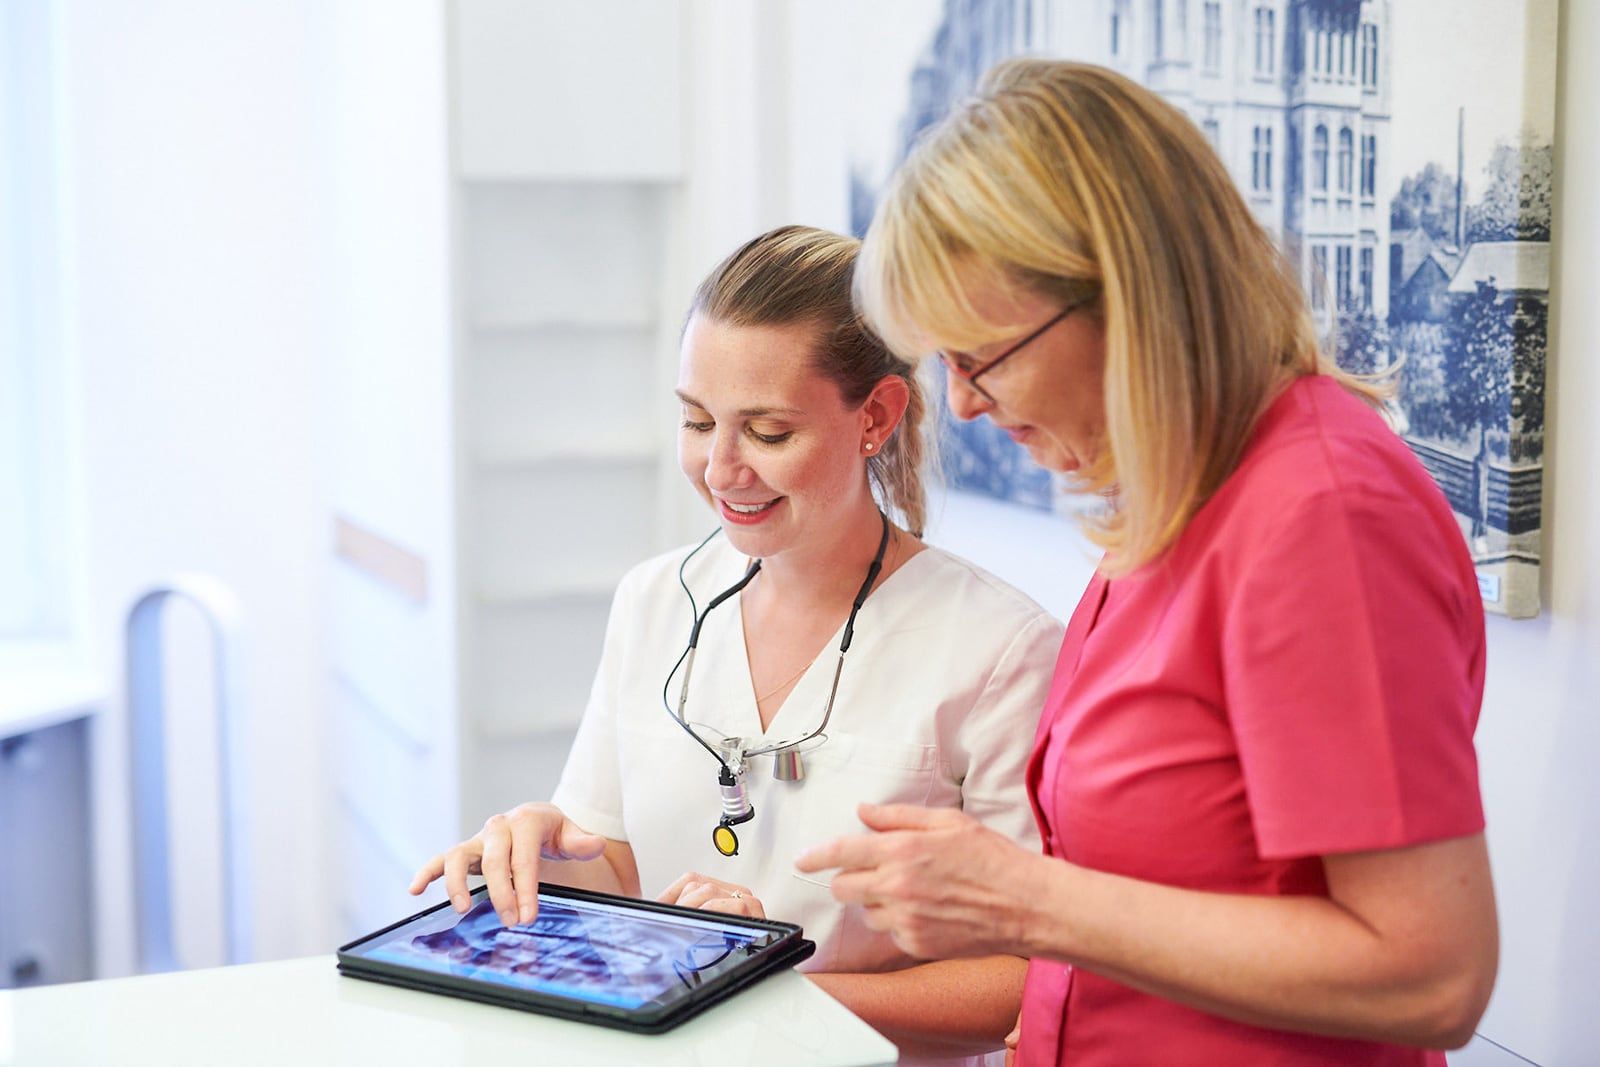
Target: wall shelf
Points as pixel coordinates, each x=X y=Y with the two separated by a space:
x=567 y=588
x=538 y=734
x=643 y=321
x=577 y=453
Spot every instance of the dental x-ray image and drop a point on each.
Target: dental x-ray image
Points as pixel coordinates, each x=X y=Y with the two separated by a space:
x=574 y=949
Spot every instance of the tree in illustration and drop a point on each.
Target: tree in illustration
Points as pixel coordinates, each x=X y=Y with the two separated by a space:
x=1362 y=341
x=1426 y=201
x=1480 y=364
x=1480 y=382
x=1423 y=349
x=1516 y=202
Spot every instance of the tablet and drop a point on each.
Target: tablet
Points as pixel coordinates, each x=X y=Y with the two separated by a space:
x=597 y=958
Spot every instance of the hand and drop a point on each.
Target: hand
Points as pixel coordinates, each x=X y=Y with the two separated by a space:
x=940 y=883
x=1013 y=1039
x=695 y=890
x=507 y=852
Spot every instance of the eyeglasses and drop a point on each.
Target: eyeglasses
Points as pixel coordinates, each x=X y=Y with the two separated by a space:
x=970 y=375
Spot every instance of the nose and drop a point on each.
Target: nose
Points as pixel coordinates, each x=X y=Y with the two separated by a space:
x=726 y=469
x=966 y=403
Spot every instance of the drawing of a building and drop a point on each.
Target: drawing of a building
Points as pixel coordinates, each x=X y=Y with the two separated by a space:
x=1293 y=94
x=1297 y=96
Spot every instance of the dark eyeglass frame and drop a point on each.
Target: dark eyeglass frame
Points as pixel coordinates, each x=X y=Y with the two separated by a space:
x=971 y=376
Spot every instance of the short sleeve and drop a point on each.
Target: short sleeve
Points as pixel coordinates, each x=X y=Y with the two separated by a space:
x=590 y=790
x=1353 y=674
x=994 y=735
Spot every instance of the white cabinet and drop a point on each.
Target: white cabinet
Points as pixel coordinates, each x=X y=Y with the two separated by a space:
x=553 y=91
x=502 y=437
x=565 y=451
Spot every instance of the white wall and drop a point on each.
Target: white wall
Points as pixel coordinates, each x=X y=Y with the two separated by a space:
x=197 y=323
x=1539 y=738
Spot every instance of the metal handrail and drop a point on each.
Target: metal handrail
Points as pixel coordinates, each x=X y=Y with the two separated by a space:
x=148 y=771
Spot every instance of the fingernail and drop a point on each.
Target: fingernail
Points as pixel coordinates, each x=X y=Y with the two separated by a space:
x=526 y=915
x=460 y=903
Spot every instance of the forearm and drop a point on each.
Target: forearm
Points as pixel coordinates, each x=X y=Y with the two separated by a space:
x=1297 y=963
x=948 y=1008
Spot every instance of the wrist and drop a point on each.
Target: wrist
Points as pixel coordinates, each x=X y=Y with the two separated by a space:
x=1046 y=919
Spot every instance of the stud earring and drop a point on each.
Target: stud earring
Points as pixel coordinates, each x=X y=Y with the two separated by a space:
x=868 y=446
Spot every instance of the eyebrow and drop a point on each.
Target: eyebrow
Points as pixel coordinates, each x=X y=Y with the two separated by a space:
x=744 y=413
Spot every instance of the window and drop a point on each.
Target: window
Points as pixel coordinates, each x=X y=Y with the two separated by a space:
x=1266 y=62
x=1366 y=278
x=1211 y=49
x=1213 y=133
x=1319 y=160
x=1346 y=152
x=1158 y=28
x=1319 y=277
x=1261 y=159
x=1369 y=165
x=32 y=467
x=1180 y=28
x=1369 y=55
x=1341 y=273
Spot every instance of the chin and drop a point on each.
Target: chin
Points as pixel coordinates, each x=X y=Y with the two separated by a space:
x=1052 y=458
x=755 y=543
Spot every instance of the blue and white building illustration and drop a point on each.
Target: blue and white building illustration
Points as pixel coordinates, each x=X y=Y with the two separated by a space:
x=1297 y=97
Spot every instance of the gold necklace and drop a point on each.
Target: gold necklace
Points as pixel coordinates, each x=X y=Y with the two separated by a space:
x=894 y=544
x=792 y=678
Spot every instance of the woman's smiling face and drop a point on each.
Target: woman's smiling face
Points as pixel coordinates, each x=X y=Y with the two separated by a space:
x=767 y=440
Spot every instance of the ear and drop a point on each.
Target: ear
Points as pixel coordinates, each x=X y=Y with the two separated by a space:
x=885 y=406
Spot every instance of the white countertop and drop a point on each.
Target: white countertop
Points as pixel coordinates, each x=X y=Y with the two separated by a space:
x=305 y=1012
x=35 y=699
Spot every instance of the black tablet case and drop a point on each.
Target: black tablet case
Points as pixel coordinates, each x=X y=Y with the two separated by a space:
x=782 y=957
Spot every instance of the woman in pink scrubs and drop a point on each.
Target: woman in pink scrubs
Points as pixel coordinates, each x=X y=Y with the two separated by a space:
x=1254 y=774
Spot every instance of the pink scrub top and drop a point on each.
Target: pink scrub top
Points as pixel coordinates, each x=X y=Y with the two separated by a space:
x=1298 y=676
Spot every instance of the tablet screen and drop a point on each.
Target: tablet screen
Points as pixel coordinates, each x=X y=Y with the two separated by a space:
x=591 y=951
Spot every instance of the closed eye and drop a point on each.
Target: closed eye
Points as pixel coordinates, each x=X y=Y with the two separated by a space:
x=961 y=362
x=694 y=426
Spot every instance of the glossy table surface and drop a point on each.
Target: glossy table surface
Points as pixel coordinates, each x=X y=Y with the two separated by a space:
x=304 y=1012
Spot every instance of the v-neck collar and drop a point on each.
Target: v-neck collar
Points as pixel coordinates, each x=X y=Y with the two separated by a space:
x=749 y=715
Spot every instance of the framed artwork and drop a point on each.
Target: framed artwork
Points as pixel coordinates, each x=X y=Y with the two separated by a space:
x=1401 y=150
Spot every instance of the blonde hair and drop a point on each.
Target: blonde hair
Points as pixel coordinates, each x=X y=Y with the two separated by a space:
x=1071 y=181
x=797 y=274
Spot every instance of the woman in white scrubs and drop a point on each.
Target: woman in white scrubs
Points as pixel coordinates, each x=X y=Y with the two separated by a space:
x=801 y=431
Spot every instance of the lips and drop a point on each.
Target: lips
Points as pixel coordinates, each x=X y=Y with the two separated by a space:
x=1019 y=434
x=747 y=514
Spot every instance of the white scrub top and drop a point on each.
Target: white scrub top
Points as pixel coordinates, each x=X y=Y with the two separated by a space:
x=941 y=692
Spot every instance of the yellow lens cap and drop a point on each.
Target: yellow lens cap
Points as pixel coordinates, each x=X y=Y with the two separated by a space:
x=725 y=840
